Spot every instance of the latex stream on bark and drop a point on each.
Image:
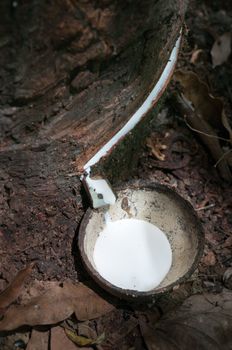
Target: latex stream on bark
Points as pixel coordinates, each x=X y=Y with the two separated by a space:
x=99 y=190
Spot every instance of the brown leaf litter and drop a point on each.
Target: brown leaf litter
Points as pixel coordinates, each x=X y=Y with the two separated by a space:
x=39 y=340
x=11 y=293
x=56 y=305
x=209 y=259
x=169 y=150
x=195 y=55
x=83 y=341
x=201 y=322
x=60 y=341
x=205 y=115
x=157 y=147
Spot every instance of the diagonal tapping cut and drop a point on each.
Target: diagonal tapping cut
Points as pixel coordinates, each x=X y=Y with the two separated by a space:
x=99 y=189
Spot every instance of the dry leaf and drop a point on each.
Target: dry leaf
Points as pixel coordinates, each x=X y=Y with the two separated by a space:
x=209 y=138
x=195 y=55
x=221 y=49
x=83 y=341
x=55 y=305
x=205 y=115
x=12 y=292
x=85 y=330
x=89 y=305
x=171 y=146
x=209 y=259
x=38 y=340
x=59 y=340
x=156 y=147
x=204 y=103
x=203 y=322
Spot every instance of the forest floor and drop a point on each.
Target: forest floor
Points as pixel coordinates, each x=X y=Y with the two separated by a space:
x=188 y=166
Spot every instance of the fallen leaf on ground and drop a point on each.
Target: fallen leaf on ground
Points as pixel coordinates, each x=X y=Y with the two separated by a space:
x=59 y=340
x=83 y=341
x=55 y=305
x=195 y=55
x=11 y=293
x=157 y=147
x=209 y=259
x=173 y=155
x=204 y=103
x=35 y=289
x=221 y=49
x=38 y=341
x=204 y=114
x=201 y=322
x=88 y=304
x=84 y=329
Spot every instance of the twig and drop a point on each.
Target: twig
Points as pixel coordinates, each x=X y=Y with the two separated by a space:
x=206 y=207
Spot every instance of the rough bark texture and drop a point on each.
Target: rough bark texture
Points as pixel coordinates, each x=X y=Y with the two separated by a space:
x=72 y=73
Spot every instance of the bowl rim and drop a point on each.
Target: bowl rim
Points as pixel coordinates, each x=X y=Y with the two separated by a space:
x=133 y=294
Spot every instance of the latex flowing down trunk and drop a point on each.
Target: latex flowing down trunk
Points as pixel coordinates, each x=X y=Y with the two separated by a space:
x=72 y=73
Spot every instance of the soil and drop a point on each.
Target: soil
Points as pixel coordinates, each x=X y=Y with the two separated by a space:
x=188 y=168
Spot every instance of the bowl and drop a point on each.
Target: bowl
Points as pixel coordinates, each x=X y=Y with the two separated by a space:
x=160 y=206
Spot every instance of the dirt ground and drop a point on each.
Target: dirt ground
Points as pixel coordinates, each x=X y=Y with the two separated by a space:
x=188 y=167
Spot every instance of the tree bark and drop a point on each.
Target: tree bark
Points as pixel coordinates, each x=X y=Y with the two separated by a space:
x=72 y=73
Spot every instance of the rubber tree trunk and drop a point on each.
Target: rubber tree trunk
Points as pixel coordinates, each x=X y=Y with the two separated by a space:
x=72 y=73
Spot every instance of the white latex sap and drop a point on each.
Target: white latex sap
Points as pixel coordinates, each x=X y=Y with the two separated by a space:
x=101 y=186
x=142 y=110
x=132 y=254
